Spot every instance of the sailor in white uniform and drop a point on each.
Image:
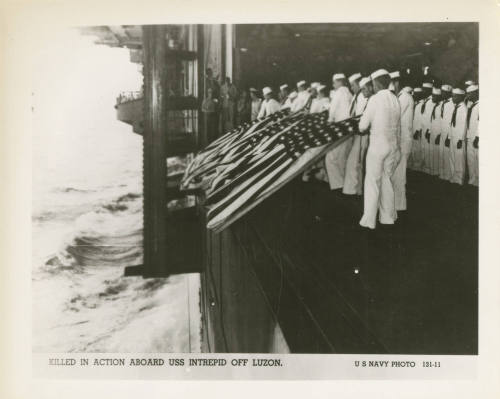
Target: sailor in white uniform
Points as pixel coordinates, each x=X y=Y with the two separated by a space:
x=415 y=160
x=446 y=108
x=321 y=102
x=285 y=97
x=458 y=130
x=269 y=105
x=407 y=106
x=335 y=160
x=473 y=135
x=353 y=181
x=302 y=96
x=435 y=131
x=382 y=118
x=425 y=124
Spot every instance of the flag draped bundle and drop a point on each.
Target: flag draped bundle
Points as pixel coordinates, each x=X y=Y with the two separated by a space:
x=254 y=160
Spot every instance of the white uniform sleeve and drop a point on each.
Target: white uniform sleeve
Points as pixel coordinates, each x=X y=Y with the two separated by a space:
x=462 y=123
x=366 y=118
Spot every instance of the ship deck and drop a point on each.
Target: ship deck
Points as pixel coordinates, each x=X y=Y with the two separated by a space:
x=334 y=287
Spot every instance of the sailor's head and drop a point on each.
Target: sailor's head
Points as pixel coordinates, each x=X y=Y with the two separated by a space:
x=302 y=86
x=322 y=92
x=427 y=89
x=436 y=95
x=284 y=90
x=381 y=80
x=366 y=86
x=472 y=92
x=267 y=92
x=339 y=80
x=314 y=88
x=395 y=76
x=446 y=91
x=354 y=82
x=418 y=93
x=253 y=93
x=457 y=95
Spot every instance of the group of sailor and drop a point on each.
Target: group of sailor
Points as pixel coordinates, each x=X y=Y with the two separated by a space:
x=428 y=129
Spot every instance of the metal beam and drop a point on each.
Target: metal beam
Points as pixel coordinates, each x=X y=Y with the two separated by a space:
x=155 y=150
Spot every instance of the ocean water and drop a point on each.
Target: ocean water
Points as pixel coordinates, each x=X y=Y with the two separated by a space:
x=87 y=226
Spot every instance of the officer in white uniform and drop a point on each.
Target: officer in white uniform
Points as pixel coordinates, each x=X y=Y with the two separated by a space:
x=473 y=135
x=335 y=160
x=415 y=160
x=353 y=182
x=269 y=105
x=444 y=150
x=407 y=106
x=435 y=131
x=425 y=125
x=382 y=118
x=458 y=130
x=302 y=96
x=321 y=102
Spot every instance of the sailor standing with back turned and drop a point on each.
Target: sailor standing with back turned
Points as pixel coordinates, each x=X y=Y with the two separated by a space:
x=383 y=118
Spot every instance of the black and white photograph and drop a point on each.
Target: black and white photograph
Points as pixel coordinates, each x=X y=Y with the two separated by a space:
x=219 y=196
x=258 y=188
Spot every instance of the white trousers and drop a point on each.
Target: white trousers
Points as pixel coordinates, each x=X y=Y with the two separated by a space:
x=434 y=155
x=425 y=151
x=445 y=162
x=399 y=182
x=378 y=188
x=473 y=163
x=353 y=181
x=457 y=162
x=335 y=162
x=415 y=161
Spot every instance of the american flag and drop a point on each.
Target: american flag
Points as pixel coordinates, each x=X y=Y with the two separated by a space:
x=254 y=160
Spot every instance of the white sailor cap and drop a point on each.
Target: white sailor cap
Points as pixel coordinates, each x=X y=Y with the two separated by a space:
x=354 y=77
x=364 y=81
x=338 y=76
x=427 y=85
x=283 y=87
x=436 y=91
x=320 y=87
x=302 y=82
x=407 y=89
x=378 y=73
x=417 y=90
x=267 y=90
x=472 y=88
x=395 y=75
x=293 y=94
x=469 y=83
x=253 y=89
x=446 y=88
x=315 y=85
x=456 y=90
